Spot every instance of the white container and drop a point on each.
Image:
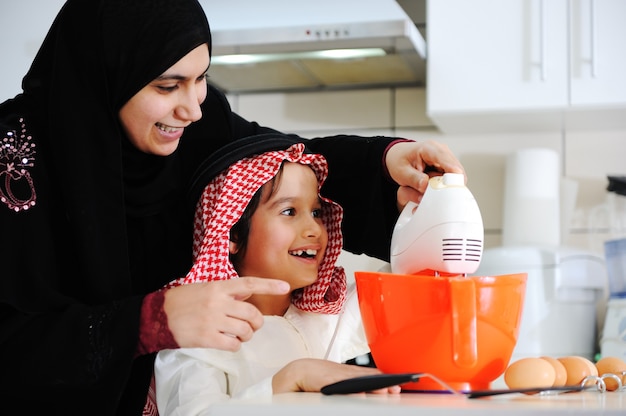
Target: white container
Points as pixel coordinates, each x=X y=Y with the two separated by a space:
x=613 y=341
x=565 y=286
x=531 y=214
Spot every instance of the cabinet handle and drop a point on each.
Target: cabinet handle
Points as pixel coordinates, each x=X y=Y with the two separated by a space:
x=594 y=48
x=542 y=42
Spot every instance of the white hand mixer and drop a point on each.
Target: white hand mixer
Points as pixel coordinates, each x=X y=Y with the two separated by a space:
x=444 y=233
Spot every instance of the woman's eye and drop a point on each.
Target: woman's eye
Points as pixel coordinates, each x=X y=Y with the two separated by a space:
x=167 y=88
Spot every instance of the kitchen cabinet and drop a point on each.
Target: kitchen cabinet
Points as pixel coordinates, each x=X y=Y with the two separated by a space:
x=526 y=64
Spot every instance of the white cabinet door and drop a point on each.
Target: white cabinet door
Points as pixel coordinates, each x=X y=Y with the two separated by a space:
x=520 y=65
x=598 y=52
x=497 y=55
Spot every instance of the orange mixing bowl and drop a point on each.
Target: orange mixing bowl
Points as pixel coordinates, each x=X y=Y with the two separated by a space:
x=460 y=329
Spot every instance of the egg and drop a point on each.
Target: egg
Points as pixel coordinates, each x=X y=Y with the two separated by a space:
x=612 y=365
x=577 y=369
x=560 y=377
x=528 y=373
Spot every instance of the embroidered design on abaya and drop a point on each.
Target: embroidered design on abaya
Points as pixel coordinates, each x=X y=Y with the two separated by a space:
x=223 y=202
x=17 y=155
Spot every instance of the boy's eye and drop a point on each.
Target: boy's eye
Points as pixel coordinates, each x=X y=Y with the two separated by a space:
x=288 y=211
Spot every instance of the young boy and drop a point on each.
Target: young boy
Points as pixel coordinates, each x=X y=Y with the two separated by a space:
x=263 y=216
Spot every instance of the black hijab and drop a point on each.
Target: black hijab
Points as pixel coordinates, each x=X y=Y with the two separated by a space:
x=96 y=56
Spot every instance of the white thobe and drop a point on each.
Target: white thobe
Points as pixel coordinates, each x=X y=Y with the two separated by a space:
x=190 y=380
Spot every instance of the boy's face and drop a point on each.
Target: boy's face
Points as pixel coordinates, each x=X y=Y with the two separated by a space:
x=287 y=238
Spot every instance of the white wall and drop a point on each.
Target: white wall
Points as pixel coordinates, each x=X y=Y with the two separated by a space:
x=23 y=26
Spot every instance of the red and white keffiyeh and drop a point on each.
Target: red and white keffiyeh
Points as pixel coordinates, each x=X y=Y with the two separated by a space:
x=223 y=202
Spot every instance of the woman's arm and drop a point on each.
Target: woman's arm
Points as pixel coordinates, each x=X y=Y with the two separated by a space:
x=358 y=181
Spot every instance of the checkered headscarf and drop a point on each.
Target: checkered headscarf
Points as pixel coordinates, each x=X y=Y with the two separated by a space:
x=223 y=202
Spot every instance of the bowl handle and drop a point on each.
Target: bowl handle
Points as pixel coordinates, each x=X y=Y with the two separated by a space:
x=463 y=304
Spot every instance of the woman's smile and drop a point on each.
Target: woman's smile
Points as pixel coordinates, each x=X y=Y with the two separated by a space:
x=169 y=134
x=168 y=129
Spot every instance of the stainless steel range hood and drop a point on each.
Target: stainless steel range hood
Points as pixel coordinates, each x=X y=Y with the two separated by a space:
x=283 y=37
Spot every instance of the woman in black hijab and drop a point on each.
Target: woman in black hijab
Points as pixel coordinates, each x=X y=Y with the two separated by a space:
x=94 y=214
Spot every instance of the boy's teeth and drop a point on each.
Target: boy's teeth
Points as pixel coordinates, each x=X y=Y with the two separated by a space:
x=309 y=252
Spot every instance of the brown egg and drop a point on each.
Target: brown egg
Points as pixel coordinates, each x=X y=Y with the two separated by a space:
x=577 y=369
x=529 y=372
x=560 y=372
x=612 y=365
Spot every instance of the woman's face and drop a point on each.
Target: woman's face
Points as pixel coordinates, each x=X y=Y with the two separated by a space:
x=287 y=238
x=154 y=119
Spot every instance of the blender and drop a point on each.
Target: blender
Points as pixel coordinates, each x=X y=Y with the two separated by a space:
x=613 y=341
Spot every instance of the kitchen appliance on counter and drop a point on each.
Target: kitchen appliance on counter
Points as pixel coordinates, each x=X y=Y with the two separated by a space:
x=566 y=286
x=563 y=293
x=613 y=341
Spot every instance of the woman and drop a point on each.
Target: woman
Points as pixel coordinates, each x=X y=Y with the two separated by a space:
x=96 y=157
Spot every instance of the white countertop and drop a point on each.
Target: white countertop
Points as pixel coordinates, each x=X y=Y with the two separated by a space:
x=316 y=404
